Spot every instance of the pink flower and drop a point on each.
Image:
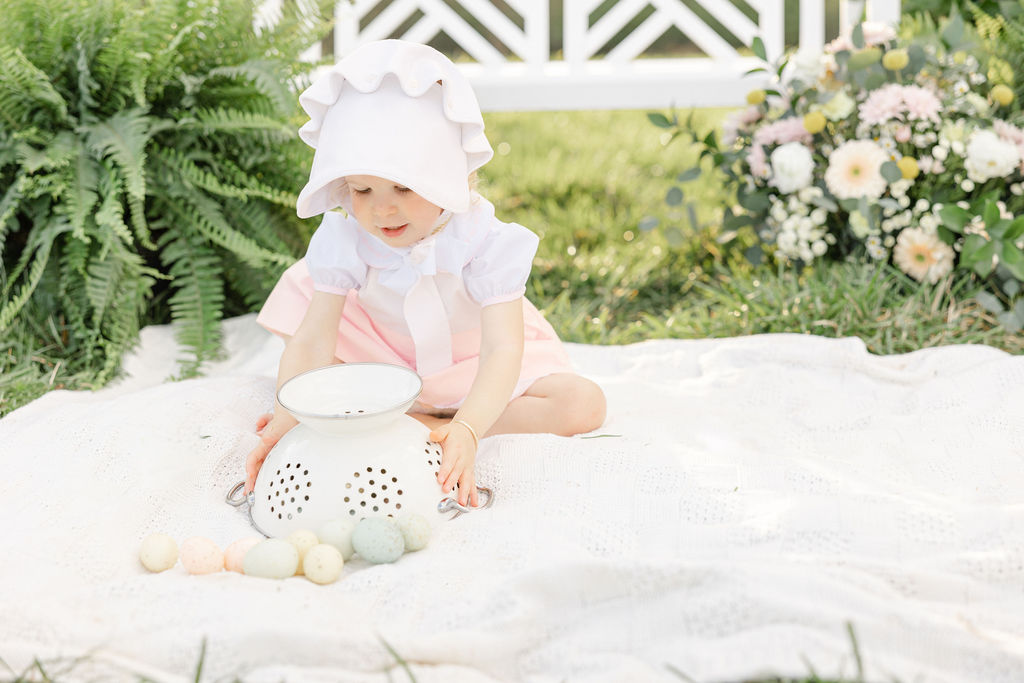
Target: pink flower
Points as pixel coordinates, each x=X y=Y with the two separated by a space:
x=758 y=161
x=902 y=133
x=737 y=121
x=782 y=131
x=921 y=103
x=882 y=105
x=875 y=33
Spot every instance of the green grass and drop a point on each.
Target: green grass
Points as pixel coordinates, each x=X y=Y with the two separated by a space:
x=583 y=181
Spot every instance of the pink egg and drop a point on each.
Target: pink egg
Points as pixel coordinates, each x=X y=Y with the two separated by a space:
x=234 y=556
x=200 y=555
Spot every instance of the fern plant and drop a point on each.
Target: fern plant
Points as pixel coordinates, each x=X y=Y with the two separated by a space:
x=148 y=166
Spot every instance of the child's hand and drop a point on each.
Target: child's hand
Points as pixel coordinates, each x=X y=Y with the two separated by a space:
x=270 y=428
x=457 y=461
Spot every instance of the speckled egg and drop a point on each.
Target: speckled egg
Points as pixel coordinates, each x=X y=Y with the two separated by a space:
x=234 y=554
x=271 y=558
x=415 y=531
x=200 y=555
x=338 y=532
x=323 y=564
x=303 y=540
x=378 y=540
x=158 y=552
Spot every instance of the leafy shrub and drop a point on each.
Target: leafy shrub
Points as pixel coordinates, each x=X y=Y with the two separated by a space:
x=884 y=149
x=148 y=160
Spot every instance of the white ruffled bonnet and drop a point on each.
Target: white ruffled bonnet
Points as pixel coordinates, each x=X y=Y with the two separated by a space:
x=397 y=110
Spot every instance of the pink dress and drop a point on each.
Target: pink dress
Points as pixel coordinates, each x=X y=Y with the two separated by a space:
x=420 y=306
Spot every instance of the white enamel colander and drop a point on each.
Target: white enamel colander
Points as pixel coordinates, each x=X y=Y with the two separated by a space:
x=354 y=454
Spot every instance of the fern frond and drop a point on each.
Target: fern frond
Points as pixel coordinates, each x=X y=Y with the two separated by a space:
x=23 y=88
x=205 y=216
x=110 y=214
x=245 y=188
x=123 y=138
x=222 y=120
x=265 y=76
x=8 y=205
x=80 y=191
x=198 y=300
x=39 y=254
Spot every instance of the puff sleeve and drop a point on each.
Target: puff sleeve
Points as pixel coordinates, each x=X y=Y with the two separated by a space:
x=498 y=271
x=333 y=256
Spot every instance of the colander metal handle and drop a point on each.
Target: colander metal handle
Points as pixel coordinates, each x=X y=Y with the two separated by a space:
x=452 y=503
x=233 y=497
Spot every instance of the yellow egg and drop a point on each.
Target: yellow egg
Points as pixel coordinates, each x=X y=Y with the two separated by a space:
x=158 y=552
x=200 y=555
x=322 y=564
x=756 y=96
x=303 y=540
x=234 y=555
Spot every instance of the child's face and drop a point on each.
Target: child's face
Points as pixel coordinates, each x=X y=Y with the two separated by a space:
x=394 y=213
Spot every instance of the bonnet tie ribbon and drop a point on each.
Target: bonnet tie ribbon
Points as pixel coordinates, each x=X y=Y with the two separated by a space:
x=424 y=312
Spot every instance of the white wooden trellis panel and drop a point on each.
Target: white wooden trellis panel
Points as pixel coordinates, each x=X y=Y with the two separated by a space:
x=534 y=80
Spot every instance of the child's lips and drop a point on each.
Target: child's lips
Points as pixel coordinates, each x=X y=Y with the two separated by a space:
x=394 y=231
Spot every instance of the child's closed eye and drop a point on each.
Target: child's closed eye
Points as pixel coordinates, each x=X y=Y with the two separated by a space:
x=364 y=190
x=399 y=188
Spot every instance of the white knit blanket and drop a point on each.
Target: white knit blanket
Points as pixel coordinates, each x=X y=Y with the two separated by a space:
x=751 y=497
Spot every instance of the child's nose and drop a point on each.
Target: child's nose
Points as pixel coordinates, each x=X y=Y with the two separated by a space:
x=384 y=208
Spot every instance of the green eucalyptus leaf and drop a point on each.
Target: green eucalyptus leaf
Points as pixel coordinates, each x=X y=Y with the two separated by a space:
x=1015 y=229
x=674 y=196
x=1012 y=259
x=891 y=172
x=953 y=34
x=659 y=120
x=755 y=202
x=857 y=36
x=758 y=47
x=1011 y=288
x=991 y=215
x=954 y=218
x=647 y=223
x=1011 y=321
x=754 y=254
x=688 y=175
x=989 y=302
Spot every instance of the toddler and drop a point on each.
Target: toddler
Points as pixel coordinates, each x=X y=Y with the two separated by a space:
x=417 y=271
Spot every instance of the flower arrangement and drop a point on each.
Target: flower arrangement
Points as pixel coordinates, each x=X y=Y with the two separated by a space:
x=894 y=150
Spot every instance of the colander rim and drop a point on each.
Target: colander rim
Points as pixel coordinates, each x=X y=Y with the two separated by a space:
x=351 y=416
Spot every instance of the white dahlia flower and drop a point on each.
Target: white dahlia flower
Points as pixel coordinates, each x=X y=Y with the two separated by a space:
x=792 y=167
x=922 y=255
x=855 y=170
x=989 y=157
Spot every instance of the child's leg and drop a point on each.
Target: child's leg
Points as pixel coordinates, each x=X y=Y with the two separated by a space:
x=563 y=403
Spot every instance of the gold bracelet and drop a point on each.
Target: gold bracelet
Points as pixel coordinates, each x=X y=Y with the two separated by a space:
x=476 y=440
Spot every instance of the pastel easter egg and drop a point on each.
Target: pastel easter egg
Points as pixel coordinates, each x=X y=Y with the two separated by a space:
x=415 y=531
x=323 y=564
x=338 y=532
x=271 y=558
x=158 y=552
x=200 y=555
x=303 y=540
x=234 y=554
x=378 y=540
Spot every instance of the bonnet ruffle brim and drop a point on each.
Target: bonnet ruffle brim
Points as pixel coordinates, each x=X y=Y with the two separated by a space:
x=416 y=68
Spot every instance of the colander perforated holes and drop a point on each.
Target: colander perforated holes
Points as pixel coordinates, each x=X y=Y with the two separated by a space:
x=284 y=496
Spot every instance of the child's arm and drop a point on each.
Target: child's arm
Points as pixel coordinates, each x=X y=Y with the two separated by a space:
x=501 y=358
x=312 y=347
